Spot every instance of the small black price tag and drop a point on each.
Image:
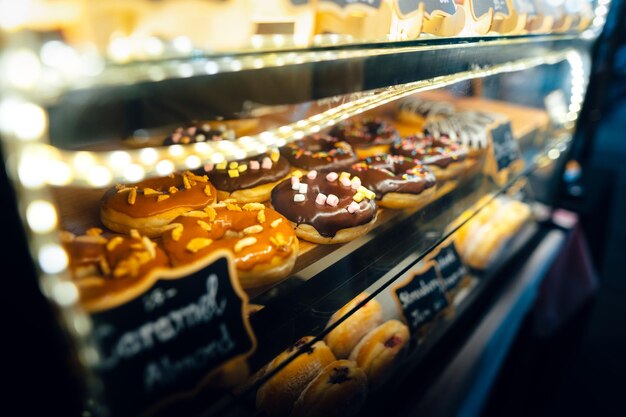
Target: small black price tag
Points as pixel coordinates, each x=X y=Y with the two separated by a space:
x=451 y=269
x=421 y=298
x=345 y=3
x=525 y=6
x=430 y=6
x=481 y=7
x=166 y=342
x=505 y=147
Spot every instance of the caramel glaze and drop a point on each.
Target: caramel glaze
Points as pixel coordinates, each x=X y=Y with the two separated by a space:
x=430 y=151
x=250 y=177
x=365 y=132
x=145 y=205
x=327 y=220
x=319 y=152
x=227 y=229
x=393 y=174
x=119 y=262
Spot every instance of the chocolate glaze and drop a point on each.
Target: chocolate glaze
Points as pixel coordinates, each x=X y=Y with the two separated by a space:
x=325 y=219
x=147 y=205
x=197 y=133
x=249 y=178
x=384 y=174
x=365 y=132
x=319 y=152
x=440 y=152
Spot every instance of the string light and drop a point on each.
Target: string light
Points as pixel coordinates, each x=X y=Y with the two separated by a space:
x=41 y=216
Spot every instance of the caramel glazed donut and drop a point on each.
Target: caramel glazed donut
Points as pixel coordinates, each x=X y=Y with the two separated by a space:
x=151 y=205
x=368 y=136
x=108 y=268
x=447 y=160
x=320 y=153
x=249 y=180
x=326 y=208
x=398 y=181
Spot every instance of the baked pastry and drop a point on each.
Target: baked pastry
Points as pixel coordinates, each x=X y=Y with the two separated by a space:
x=398 y=181
x=367 y=136
x=249 y=180
x=446 y=159
x=343 y=338
x=263 y=243
x=417 y=111
x=339 y=390
x=320 y=153
x=151 y=205
x=326 y=208
x=467 y=128
x=277 y=396
x=109 y=269
x=381 y=350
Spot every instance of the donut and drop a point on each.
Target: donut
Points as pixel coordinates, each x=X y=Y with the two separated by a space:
x=339 y=390
x=468 y=129
x=418 y=111
x=380 y=351
x=320 y=153
x=398 y=181
x=343 y=338
x=108 y=269
x=447 y=160
x=326 y=208
x=368 y=136
x=198 y=133
x=277 y=396
x=249 y=180
x=263 y=243
x=151 y=205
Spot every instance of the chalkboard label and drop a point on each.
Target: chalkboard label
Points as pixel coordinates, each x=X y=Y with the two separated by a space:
x=525 y=6
x=451 y=269
x=421 y=298
x=431 y=6
x=505 y=147
x=345 y=3
x=167 y=341
x=481 y=7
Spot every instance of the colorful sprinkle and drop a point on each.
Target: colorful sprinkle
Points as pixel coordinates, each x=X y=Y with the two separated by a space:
x=222 y=165
x=274 y=155
x=332 y=176
x=355 y=183
x=332 y=200
x=297 y=173
x=233 y=173
x=353 y=207
x=233 y=165
x=242 y=168
x=267 y=163
x=295 y=180
x=320 y=199
x=345 y=181
x=254 y=165
x=344 y=175
x=303 y=188
x=176 y=137
x=312 y=174
x=208 y=167
x=298 y=198
x=358 y=197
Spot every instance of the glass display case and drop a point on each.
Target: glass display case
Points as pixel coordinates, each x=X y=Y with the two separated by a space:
x=288 y=208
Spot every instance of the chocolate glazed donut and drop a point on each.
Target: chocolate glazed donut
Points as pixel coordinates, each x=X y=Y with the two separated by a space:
x=319 y=152
x=248 y=180
x=368 y=136
x=197 y=133
x=446 y=159
x=326 y=208
x=398 y=181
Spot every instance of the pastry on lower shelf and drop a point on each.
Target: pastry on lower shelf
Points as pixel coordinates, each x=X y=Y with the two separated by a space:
x=109 y=269
x=339 y=390
x=446 y=159
x=381 y=350
x=326 y=208
x=250 y=180
x=367 y=136
x=417 y=111
x=277 y=396
x=150 y=205
x=263 y=243
x=399 y=182
x=320 y=153
x=343 y=338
